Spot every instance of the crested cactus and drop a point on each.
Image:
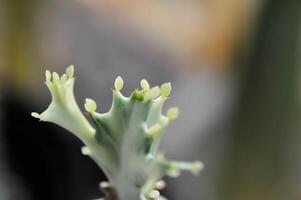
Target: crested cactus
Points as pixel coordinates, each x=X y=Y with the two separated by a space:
x=124 y=141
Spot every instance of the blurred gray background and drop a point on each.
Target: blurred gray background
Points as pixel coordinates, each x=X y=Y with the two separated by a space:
x=234 y=68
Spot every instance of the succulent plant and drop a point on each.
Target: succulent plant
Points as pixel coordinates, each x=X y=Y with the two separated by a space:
x=124 y=141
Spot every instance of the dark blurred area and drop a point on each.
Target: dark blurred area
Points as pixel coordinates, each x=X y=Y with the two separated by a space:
x=235 y=71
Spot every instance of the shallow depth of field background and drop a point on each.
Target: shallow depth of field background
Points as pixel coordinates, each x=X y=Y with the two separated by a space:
x=235 y=71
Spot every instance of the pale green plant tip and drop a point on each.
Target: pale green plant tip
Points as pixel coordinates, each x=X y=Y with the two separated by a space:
x=35 y=115
x=154 y=194
x=118 y=84
x=63 y=109
x=197 y=167
x=165 y=89
x=160 y=185
x=90 y=105
x=153 y=130
x=48 y=76
x=64 y=78
x=144 y=85
x=154 y=92
x=85 y=151
x=172 y=113
x=55 y=77
x=70 y=71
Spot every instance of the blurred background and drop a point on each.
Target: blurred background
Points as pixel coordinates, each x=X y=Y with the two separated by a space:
x=234 y=67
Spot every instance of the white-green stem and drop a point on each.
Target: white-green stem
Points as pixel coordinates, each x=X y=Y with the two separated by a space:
x=124 y=141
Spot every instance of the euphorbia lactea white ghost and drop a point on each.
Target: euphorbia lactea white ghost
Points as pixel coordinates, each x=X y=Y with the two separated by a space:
x=124 y=141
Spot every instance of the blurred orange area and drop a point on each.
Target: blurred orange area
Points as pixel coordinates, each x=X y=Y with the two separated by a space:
x=201 y=32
